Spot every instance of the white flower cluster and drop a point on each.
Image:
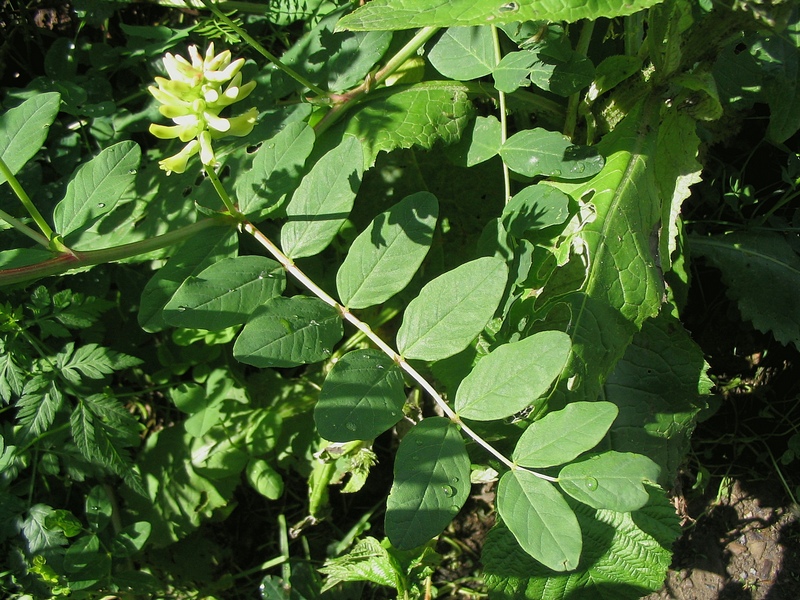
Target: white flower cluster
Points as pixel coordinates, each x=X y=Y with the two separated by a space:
x=193 y=96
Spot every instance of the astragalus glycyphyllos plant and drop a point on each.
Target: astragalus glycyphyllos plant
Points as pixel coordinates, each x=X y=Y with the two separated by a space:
x=514 y=207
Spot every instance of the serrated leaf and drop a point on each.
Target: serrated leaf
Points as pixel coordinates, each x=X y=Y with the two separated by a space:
x=431 y=483
x=93 y=362
x=97 y=187
x=36 y=536
x=287 y=332
x=323 y=201
x=611 y=480
x=277 y=168
x=192 y=257
x=41 y=399
x=463 y=53
x=12 y=377
x=534 y=208
x=537 y=151
x=561 y=436
x=762 y=273
x=368 y=560
x=225 y=293
x=452 y=310
x=529 y=368
x=407 y=116
x=625 y=556
x=409 y=14
x=362 y=397
x=540 y=519
x=23 y=130
x=384 y=257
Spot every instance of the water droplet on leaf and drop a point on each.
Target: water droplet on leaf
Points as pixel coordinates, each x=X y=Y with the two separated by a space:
x=455 y=480
x=449 y=491
x=350 y=426
x=591 y=484
x=101 y=205
x=454 y=509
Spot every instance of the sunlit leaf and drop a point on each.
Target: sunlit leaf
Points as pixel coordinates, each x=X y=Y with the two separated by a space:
x=463 y=53
x=23 y=129
x=538 y=151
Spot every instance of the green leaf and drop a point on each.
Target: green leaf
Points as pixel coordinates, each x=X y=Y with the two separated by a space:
x=431 y=483
x=780 y=56
x=225 y=293
x=534 y=208
x=323 y=200
x=12 y=377
x=287 y=332
x=513 y=71
x=81 y=553
x=416 y=115
x=97 y=187
x=560 y=70
x=762 y=273
x=277 y=168
x=561 y=436
x=37 y=536
x=625 y=556
x=540 y=519
x=368 y=560
x=480 y=142
x=24 y=129
x=611 y=480
x=92 y=362
x=384 y=257
x=537 y=151
x=131 y=539
x=463 y=53
x=409 y=14
x=452 y=310
x=99 y=508
x=362 y=397
x=529 y=368
x=264 y=479
x=41 y=399
x=192 y=257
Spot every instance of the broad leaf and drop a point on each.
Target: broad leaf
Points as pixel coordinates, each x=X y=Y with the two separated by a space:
x=534 y=208
x=560 y=70
x=464 y=53
x=480 y=142
x=540 y=519
x=452 y=310
x=97 y=187
x=537 y=151
x=287 y=332
x=384 y=257
x=99 y=508
x=409 y=14
x=192 y=257
x=406 y=116
x=264 y=479
x=612 y=480
x=23 y=130
x=513 y=71
x=431 y=483
x=276 y=171
x=131 y=539
x=225 y=293
x=561 y=436
x=323 y=201
x=762 y=272
x=362 y=397
x=625 y=556
x=529 y=368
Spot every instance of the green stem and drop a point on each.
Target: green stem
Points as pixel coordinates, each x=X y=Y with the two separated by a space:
x=344 y=101
x=263 y=51
x=75 y=260
x=498 y=55
x=221 y=191
x=26 y=201
x=24 y=229
x=582 y=47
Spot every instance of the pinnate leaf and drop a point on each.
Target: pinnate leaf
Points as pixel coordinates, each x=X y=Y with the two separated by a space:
x=538 y=151
x=452 y=310
x=225 y=293
x=24 y=128
x=323 y=201
x=362 y=397
x=288 y=332
x=611 y=480
x=561 y=436
x=540 y=519
x=431 y=483
x=384 y=257
x=529 y=368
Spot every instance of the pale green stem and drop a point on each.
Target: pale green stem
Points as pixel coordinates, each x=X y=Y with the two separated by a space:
x=263 y=51
x=66 y=262
x=344 y=101
x=498 y=55
x=582 y=47
x=24 y=229
x=221 y=192
x=26 y=201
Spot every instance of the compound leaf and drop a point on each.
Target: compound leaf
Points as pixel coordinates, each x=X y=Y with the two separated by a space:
x=561 y=436
x=452 y=310
x=362 y=397
x=431 y=483
x=323 y=200
x=384 y=257
x=288 y=332
x=529 y=368
x=225 y=293
x=24 y=128
x=540 y=519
